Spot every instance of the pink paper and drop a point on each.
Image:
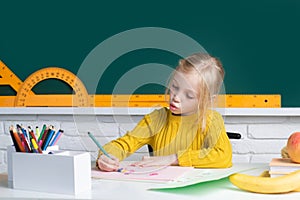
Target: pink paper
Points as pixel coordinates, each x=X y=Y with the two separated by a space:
x=156 y=173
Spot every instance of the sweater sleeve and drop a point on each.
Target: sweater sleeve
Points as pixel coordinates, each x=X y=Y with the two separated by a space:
x=135 y=139
x=218 y=152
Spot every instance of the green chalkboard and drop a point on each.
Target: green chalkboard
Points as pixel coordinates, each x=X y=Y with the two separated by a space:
x=257 y=40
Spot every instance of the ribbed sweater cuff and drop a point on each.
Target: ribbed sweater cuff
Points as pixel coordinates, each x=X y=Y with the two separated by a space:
x=184 y=158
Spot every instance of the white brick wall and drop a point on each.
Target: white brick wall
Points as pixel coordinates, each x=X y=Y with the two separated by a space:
x=264 y=131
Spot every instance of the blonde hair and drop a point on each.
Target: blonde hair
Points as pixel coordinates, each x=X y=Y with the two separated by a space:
x=211 y=75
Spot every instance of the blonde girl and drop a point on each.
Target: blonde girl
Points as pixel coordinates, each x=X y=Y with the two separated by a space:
x=188 y=132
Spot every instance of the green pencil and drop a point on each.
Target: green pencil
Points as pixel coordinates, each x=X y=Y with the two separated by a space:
x=42 y=132
x=98 y=144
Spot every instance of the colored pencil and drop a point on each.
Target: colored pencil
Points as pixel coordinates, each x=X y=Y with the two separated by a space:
x=16 y=140
x=48 y=139
x=99 y=145
x=30 y=131
x=26 y=145
x=35 y=146
x=56 y=137
x=46 y=131
x=37 y=132
x=42 y=132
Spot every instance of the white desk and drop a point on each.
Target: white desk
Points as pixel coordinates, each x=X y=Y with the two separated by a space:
x=111 y=189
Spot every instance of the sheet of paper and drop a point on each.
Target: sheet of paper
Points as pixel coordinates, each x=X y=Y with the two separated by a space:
x=176 y=177
x=151 y=174
x=204 y=175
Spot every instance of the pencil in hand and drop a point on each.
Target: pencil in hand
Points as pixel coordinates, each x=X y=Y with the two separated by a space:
x=99 y=145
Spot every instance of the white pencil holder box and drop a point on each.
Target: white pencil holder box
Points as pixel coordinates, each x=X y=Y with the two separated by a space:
x=64 y=172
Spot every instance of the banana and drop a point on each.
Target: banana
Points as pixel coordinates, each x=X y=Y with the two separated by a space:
x=265 y=174
x=267 y=185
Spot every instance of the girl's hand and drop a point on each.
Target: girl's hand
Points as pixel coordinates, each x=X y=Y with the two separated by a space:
x=108 y=164
x=148 y=161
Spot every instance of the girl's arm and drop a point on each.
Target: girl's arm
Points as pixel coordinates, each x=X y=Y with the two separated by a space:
x=138 y=137
x=148 y=161
x=125 y=146
x=216 y=152
x=219 y=156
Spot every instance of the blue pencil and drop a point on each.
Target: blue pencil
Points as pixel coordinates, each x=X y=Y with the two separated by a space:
x=55 y=137
x=48 y=139
x=98 y=144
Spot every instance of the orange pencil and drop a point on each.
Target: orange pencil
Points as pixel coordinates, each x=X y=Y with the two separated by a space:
x=17 y=139
x=14 y=140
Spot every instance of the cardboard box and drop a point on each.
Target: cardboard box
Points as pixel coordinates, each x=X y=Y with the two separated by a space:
x=64 y=172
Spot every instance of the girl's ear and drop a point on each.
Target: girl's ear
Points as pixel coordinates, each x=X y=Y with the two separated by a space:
x=213 y=97
x=219 y=100
x=214 y=100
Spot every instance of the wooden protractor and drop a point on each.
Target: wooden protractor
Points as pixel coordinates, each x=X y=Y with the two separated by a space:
x=80 y=98
x=7 y=77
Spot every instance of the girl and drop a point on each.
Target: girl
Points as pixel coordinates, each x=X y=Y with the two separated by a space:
x=188 y=133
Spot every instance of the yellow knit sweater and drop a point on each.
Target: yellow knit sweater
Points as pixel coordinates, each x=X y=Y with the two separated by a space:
x=171 y=134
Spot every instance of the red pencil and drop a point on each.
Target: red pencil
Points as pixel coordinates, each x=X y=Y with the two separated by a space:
x=27 y=147
x=45 y=135
x=34 y=138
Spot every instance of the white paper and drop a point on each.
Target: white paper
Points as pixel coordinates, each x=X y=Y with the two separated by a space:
x=204 y=175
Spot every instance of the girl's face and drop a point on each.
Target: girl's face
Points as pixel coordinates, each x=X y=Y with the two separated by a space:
x=184 y=96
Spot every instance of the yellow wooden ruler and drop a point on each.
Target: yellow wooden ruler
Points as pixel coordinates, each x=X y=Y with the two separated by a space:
x=253 y=101
x=27 y=98
x=228 y=101
x=232 y=101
